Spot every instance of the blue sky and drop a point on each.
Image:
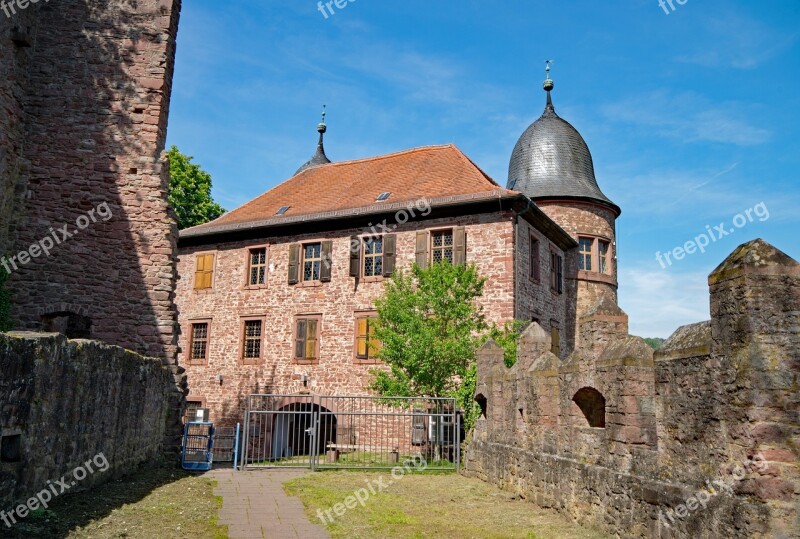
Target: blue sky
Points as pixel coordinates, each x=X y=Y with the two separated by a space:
x=692 y=117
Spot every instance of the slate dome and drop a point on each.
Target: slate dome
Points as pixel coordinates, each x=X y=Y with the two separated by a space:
x=552 y=161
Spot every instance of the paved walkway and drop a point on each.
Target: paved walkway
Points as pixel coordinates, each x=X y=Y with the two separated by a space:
x=254 y=506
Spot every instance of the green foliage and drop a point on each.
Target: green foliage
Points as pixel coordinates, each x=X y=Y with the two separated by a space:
x=5 y=301
x=430 y=327
x=190 y=191
x=654 y=343
x=506 y=338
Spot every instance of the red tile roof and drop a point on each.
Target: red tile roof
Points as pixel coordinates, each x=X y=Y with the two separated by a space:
x=433 y=172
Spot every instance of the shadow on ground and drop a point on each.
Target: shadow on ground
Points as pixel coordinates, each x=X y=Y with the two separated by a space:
x=69 y=515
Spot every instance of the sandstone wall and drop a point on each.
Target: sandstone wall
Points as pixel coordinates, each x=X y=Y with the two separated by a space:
x=490 y=244
x=87 y=95
x=698 y=440
x=64 y=402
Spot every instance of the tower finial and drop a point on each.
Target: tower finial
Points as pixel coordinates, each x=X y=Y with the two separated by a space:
x=322 y=127
x=548 y=83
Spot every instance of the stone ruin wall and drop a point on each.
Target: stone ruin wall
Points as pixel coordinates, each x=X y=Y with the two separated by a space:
x=714 y=416
x=84 y=96
x=62 y=403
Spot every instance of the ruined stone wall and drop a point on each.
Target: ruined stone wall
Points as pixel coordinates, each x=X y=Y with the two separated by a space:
x=699 y=440
x=64 y=402
x=88 y=100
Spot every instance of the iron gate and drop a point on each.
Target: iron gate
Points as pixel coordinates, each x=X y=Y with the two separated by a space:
x=365 y=432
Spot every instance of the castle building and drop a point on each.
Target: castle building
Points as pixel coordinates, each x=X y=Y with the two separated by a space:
x=278 y=295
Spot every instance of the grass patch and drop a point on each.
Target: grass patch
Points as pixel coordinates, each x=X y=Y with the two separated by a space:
x=156 y=503
x=430 y=505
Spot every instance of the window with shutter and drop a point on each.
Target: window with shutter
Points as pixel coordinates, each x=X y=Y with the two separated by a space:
x=389 y=254
x=204 y=271
x=442 y=246
x=422 y=249
x=534 y=262
x=294 y=263
x=373 y=256
x=306 y=339
x=311 y=264
x=367 y=346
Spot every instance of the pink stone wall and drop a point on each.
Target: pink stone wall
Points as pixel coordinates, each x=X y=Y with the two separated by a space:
x=490 y=244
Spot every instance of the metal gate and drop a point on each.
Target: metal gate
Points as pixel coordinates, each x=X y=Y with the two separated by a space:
x=365 y=432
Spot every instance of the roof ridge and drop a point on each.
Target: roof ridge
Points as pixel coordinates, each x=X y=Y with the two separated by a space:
x=388 y=155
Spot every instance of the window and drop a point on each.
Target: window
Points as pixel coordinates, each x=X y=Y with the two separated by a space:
x=592 y=404
x=204 y=272
x=535 y=269
x=251 y=343
x=603 y=251
x=190 y=413
x=11 y=448
x=312 y=262
x=366 y=345
x=198 y=349
x=307 y=338
x=556 y=273
x=442 y=246
x=555 y=345
x=373 y=256
x=257 y=272
x=585 y=253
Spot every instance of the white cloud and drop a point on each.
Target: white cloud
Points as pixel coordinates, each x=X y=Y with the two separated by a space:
x=659 y=301
x=689 y=118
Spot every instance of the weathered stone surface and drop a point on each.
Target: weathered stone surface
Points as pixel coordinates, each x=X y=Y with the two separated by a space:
x=69 y=401
x=713 y=418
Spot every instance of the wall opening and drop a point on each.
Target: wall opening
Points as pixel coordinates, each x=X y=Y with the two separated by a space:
x=74 y=326
x=593 y=405
x=11 y=448
x=481 y=400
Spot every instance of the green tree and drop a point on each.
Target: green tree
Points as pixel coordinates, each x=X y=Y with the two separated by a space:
x=5 y=301
x=430 y=327
x=190 y=191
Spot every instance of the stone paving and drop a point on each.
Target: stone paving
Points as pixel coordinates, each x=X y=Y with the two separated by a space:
x=254 y=506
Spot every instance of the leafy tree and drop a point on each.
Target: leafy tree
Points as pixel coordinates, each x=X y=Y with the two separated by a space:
x=5 y=301
x=654 y=343
x=190 y=191
x=430 y=327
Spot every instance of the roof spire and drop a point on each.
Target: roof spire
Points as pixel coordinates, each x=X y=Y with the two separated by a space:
x=319 y=157
x=548 y=83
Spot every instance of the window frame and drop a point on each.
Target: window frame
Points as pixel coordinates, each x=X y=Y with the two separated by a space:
x=591 y=253
x=363 y=262
x=434 y=231
x=190 y=342
x=535 y=259
x=304 y=361
x=192 y=398
x=302 y=263
x=243 y=340
x=212 y=272
x=361 y=315
x=556 y=272
x=604 y=259
x=249 y=266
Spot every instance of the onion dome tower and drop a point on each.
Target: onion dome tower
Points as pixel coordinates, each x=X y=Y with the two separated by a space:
x=319 y=157
x=552 y=165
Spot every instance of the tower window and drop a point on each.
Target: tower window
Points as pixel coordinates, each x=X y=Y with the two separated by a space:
x=585 y=253
x=603 y=254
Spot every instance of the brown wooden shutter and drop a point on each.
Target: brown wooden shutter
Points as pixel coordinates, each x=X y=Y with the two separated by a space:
x=300 y=340
x=422 y=249
x=389 y=254
x=294 y=262
x=327 y=261
x=355 y=256
x=459 y=246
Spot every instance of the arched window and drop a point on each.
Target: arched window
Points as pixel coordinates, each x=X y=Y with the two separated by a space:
x=593 y=405
x=481 y=400
x=74 y=326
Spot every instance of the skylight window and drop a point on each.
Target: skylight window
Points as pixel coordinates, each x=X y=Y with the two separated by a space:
x=383 y=196
x=283 y=210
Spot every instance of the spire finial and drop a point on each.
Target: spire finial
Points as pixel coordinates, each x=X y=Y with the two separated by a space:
x=322 y=127
x=548 y=83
